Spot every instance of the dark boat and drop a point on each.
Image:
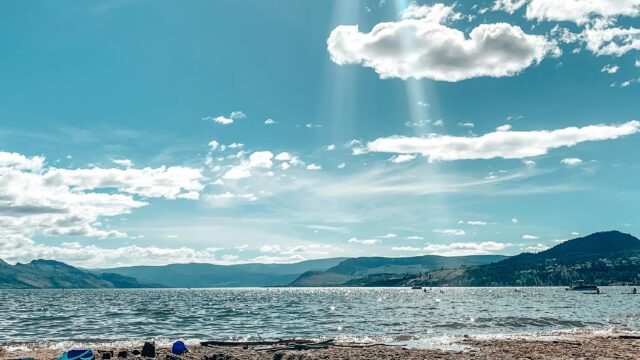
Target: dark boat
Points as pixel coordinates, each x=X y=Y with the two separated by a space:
x=416 y=287
x=581 y=286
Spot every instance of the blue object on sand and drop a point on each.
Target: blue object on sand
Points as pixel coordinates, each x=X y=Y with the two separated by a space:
x=84 y=354
x=179 y=348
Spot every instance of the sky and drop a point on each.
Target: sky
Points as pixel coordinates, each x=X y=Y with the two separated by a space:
x=155 y=132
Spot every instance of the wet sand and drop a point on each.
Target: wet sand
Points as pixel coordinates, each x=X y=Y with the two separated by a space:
x=574 y=347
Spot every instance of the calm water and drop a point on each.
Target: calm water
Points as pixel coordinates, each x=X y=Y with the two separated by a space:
x=383 y=314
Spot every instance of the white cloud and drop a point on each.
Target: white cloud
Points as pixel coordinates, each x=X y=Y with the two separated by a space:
x=473 y=222
x=214 y=145
x=500 y=144
x=257 y=160
x=505 y=127
x=123 y=162
x=226 y=197
x=270 y=248
x=454 y=232
x=314 y=167
x=575 y=233
x=515 y=220
x=423 y=104
x=417 y=123
x=571 y=161
x=388 y=236
x=354 y=240
x=637 y=63
x=330 y=147
x=261 y=159
x=537 y=248
x=21 y=162
x=467 y=125
x=222 y=120
x=38 y=200
x=467 y=248
x=436 y=13
x=438 y=122
x=237 y=172
x=627 y=83
x=297 y=253
x=604 y=40
x=270 y=122
x=421 y=45
x=415 y=237
x=402 y=158
x=406 y=248
x=601 y=36
x=580 y=11
x=283 y=156
x=610 y=69
x=92 y=256
x=236 y=115
x=509 y=6
x=341 y=166
x=168 y=182
x=530 y=237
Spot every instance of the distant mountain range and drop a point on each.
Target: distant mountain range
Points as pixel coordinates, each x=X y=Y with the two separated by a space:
x=603 y=258
x=352 y=270
x=211 y=276
x=50 y=274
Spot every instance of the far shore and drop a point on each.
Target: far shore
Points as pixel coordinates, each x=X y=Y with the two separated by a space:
x=574 y=346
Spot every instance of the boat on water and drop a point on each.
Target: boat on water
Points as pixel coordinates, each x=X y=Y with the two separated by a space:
x=582 y=286
x=416 y=287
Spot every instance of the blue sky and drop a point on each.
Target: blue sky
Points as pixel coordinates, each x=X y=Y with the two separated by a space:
x=152 y=132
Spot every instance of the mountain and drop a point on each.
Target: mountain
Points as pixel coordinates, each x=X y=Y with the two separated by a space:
x=603 y=258
x=349 y=271
x=50 y=274
x=199 y=275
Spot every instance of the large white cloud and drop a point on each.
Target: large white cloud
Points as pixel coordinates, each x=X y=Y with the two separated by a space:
x=499 y=144
x=35 y=199
x=421 y=45
x=168 y=182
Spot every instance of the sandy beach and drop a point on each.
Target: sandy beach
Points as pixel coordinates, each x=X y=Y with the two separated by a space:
x=573 y=347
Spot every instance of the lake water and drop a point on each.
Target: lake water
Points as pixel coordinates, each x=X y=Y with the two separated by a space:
x=363 y=314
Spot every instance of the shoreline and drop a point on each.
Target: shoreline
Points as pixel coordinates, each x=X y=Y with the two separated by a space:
x=552 y=346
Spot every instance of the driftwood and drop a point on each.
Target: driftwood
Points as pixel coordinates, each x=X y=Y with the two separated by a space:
x=629 y=337
x=289 y=344
x=257 y=343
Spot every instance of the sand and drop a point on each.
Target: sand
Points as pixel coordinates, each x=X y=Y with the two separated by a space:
x=573 y=347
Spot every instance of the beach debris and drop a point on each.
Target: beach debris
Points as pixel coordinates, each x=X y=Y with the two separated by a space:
x=122 y=354
x=107 y=355
x=82 y=354
x=179 y=348
x=149 y=349
x=287 y=344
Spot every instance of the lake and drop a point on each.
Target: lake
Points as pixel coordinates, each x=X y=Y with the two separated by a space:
x=362 y=314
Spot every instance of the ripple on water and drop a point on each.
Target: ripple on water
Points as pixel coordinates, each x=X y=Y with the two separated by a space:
x=117 y=315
